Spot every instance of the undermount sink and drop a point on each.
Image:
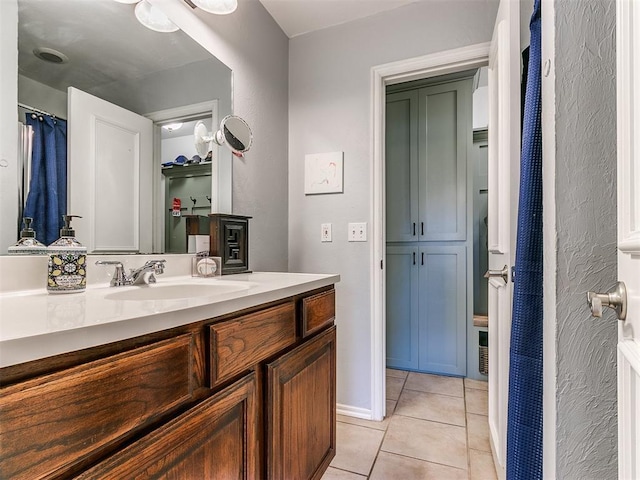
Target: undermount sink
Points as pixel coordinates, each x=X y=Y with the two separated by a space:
x=175 y=291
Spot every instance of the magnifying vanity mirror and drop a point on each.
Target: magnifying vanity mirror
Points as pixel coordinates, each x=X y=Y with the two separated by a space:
x=235 y=133
x=163 y=78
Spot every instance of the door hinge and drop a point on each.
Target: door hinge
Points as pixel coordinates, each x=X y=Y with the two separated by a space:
x=381 y=265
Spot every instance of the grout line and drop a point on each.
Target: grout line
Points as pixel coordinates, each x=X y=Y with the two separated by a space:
x=423 y=460
x=434 y=421
x=467 y=432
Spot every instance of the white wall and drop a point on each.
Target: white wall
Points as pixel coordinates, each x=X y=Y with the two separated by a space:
x=9 y=123
x=252 y=44
x=329 y=110
x=39 y=95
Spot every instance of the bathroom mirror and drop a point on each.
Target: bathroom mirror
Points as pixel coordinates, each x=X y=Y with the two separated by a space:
x=109 y=54
x=234 y=133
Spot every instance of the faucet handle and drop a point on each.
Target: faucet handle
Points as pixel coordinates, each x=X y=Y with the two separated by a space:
x=119 y=277
x=158 y=266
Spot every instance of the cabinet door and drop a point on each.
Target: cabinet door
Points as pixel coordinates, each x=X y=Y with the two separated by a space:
x=217 y=439
x=401 y=164
x=445 y=133
x=402 y=307
x=443 y=309
x=301 y=410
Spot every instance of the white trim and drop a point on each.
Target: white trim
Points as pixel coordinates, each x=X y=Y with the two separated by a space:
x=355 y=412
x=549 y=240
x=441 y=63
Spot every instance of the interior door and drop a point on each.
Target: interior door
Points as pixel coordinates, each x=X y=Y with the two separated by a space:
x=628 y=88
x=504 y=160
x=110 y=172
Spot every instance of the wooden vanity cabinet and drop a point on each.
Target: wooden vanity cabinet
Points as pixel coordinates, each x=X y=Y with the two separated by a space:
x=218 y=439
x=249 y=395
x=301 y=410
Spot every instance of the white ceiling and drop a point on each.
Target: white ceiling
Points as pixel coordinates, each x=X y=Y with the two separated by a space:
x=297 y=17
x=103 y=40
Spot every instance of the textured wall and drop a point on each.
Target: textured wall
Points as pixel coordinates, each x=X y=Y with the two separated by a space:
x=586 y=236
x=329 y=110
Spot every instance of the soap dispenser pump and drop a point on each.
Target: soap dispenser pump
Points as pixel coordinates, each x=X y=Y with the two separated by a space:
x=27 y=245
x=67 y=261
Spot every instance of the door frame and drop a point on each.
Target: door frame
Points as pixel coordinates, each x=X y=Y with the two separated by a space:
x=432 y=65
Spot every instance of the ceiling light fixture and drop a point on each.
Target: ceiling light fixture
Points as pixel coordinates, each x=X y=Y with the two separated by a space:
x=170 y=127
x=219 y=7
x=153 y=18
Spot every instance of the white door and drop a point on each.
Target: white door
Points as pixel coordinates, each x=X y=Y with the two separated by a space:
x=110 y=174
x=628 y=85
x=504 y=162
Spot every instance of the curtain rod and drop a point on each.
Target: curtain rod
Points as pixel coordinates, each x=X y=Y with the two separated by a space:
x=36 y=110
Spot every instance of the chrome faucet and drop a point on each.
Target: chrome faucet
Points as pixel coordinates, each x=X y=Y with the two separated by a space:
x=137 y=276
x=146 y=273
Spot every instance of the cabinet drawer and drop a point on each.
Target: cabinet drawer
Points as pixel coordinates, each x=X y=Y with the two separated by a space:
x=238 y=344
x=53 y=423
x=217 y=439
x=318 y=311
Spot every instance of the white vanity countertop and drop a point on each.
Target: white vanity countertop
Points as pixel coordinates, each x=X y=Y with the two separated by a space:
x=35 y=324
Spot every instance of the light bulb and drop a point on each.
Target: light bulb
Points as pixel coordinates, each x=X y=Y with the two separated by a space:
x=219 y=7
x=153 y=18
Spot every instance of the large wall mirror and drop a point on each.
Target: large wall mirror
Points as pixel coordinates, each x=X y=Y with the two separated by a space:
x=165 y=78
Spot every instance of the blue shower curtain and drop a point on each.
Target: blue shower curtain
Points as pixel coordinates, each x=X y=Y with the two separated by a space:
x=524 y=426
x=47 y=198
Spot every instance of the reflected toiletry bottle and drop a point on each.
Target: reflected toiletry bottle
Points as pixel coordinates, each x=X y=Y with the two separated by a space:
x=27 y=245
x=67 y=261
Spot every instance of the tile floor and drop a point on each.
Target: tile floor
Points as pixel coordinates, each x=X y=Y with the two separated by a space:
x=436 y=428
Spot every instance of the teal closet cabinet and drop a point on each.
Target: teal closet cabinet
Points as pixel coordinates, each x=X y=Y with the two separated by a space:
x=429 y=239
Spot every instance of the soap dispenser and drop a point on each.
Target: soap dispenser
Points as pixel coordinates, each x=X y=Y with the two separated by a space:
x=27 y=245
x=67 y=261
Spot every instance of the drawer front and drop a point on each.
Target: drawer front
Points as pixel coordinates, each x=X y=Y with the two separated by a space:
x=217 y=439
x=53 y=423
x=238 y=344
x=318 y=312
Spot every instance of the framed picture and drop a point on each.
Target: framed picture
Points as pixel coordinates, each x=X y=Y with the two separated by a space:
x=323 y=173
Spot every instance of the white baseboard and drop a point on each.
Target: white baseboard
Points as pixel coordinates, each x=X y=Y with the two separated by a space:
x=356 y=412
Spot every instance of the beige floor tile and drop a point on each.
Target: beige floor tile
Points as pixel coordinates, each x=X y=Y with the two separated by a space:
x=391 y=407
x=392 y=372
x=394 y=387
x=476 y=384
x=478 y=432
x=431 y=406
x=356 y=448
x=425 y=440
x=477 y=401
x=335 y=474
x=481 y=466
x=389 y=466
x=424 y=382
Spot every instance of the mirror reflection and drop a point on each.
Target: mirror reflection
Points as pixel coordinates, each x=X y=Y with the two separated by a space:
x=235 y=133
x=99 y=49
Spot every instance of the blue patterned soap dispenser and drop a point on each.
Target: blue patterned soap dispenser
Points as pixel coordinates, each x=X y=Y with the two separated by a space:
x=67 y=261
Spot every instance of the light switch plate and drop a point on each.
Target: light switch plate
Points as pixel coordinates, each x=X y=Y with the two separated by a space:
x=325 y=232
x=357 y=232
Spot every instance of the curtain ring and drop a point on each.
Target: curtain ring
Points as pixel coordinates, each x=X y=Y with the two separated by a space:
x=34 y=116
